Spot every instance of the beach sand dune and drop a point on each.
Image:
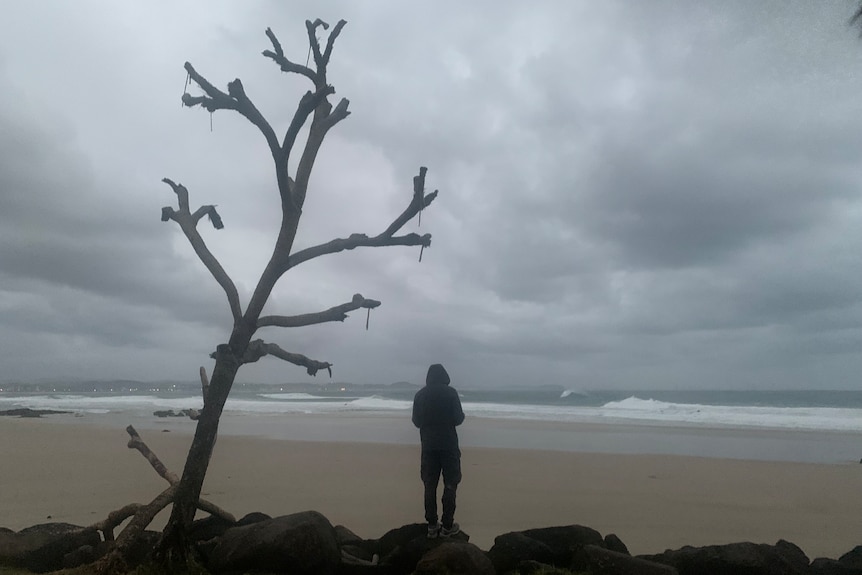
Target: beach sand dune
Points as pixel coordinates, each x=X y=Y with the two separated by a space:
x=73 y=472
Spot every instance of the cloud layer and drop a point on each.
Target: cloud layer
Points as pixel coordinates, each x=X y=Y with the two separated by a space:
x=630 y=196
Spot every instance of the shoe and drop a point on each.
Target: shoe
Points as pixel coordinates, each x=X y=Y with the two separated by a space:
x=448 y=532
x=433 y=530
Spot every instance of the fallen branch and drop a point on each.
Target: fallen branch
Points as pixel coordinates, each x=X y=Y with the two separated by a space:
x=114 y=518
x=143 y=515
x=137 y=443
x=114 y=561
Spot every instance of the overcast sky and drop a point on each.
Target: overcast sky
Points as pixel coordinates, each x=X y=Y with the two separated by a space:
x=632 y=195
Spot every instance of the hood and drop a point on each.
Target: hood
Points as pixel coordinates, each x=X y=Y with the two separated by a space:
x=437 y=375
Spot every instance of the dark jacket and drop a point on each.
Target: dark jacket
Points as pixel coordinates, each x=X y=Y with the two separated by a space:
x=437 y=410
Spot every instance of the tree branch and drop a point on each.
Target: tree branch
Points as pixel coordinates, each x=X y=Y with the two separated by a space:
x=419 y=201
x=188 y=224
x=135 y=442
x=324 y=119
x=311 y=29
x=286 y=65
x=331 y=40
x=236 y=99
x=337 y=313
x=259 y=348
x=114 y=518
x=356 y=241
x=307 y=105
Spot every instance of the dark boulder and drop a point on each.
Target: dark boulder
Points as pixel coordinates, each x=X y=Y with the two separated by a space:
x=511 y=549
x=614 y=543
x=852 y=558
x=824 y=566
x=358 y=552
x=530 y=567
x=736 y=559
x=455 y=558
x=80 y=556
x=252 y=518
x=345 y=536
x=41 y=548
x=567 y=543
x=401 y=549
x=300 y=544
x=601 y=561
x=209 y=527
x=168 y=413
x=560 y=546
x=397 y=537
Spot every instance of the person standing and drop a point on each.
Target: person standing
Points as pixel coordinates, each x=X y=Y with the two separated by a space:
x=436 y=412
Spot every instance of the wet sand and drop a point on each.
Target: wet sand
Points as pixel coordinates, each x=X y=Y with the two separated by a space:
x=56 y=471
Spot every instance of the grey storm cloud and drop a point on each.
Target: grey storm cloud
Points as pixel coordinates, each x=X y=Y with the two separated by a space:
x=631 y=195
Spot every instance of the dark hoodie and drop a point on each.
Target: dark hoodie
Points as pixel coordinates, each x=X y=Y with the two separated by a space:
x=437 y=410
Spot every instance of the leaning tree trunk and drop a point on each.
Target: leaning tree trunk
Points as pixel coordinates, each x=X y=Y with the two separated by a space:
x=173 y=547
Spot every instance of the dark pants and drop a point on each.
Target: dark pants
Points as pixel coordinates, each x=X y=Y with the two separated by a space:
x=433 y=462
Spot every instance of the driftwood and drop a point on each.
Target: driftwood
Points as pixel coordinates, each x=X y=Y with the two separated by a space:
x=143 y=515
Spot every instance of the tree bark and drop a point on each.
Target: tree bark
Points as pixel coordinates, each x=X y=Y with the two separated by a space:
x=173 y=548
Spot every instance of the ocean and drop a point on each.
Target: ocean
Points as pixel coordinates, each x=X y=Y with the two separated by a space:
x=807 y=425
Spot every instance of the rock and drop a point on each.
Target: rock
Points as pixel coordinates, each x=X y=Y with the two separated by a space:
x=357 y=552
x=531 y=567
x=601 y=561
x=404 y=558
x=824 y=566
x=562 y=546
x=398 y=537
x=252 y=518
x=80 y=556
x=401 y=549
x=455 y=558
x=614 y=543
x=345 y=536
x=209 y=527
x=512 y=549
x=41 y=548
x=852 y=558
x=736 y=559
x=300 y=544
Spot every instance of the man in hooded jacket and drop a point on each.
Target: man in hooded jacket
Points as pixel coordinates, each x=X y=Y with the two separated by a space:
x=436 y=412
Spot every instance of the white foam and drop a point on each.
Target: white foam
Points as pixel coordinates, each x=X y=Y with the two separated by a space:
x=372 y=404
x=296 y=396
x=815 y=418
x=630 y=410
x=102 y=404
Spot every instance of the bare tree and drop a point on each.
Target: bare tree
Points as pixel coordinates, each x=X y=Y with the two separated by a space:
x=240 y=347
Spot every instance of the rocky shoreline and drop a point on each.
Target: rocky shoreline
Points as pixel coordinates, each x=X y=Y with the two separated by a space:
x=308 y=543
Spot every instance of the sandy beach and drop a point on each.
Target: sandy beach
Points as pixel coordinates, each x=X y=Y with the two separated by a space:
x=56 y=471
